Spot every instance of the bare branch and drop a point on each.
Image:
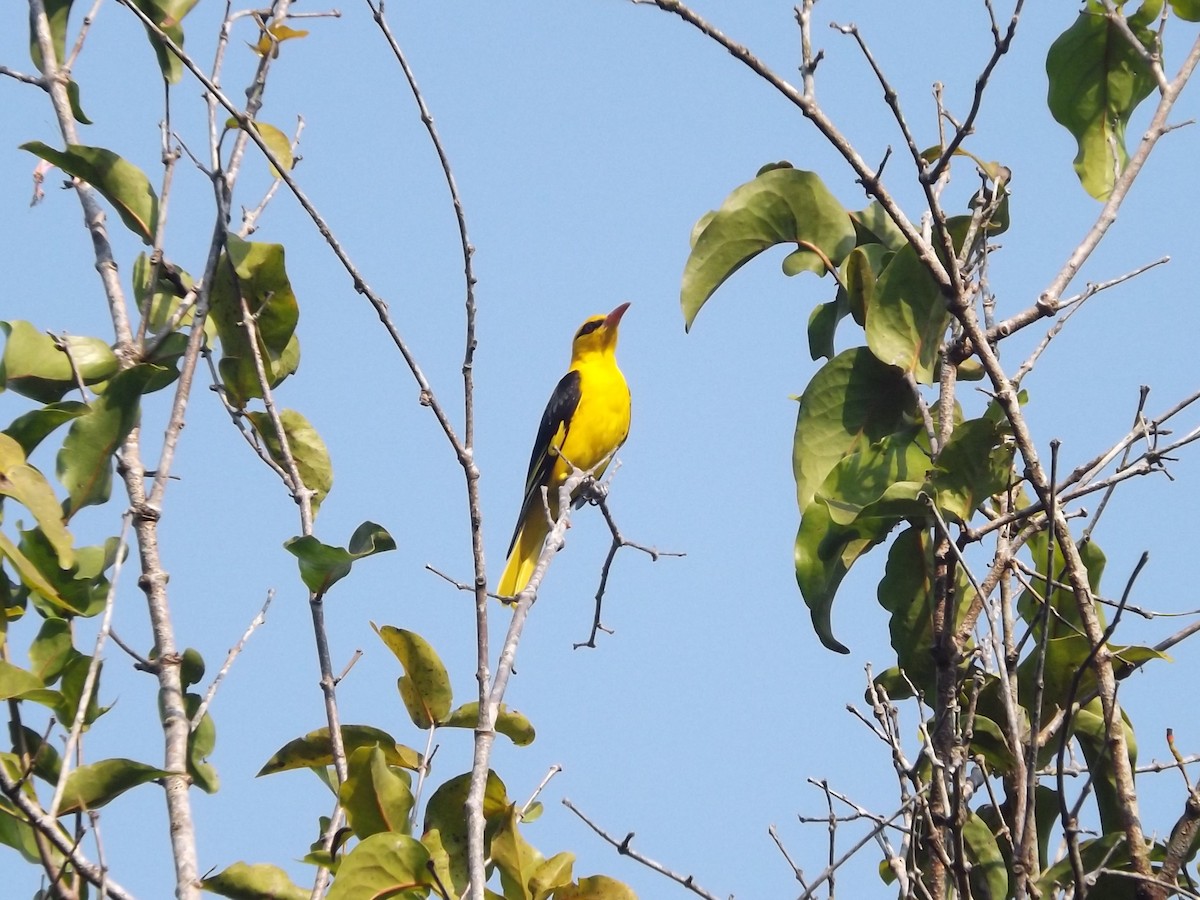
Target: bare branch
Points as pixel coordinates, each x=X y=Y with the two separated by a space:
x=625 y=849
x=1001 y=45
x=600 y=498
x=233 y=654
x=35 y=80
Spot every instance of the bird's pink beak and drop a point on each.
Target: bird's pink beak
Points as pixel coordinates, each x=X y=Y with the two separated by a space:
x=614 y=318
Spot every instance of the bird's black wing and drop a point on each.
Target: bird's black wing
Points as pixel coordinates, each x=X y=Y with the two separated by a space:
x=557 y=416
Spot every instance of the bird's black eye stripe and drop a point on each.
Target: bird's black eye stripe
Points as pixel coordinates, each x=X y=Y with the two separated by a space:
x=589 y=327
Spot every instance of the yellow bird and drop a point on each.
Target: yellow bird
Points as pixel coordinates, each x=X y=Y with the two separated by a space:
x=585 y=422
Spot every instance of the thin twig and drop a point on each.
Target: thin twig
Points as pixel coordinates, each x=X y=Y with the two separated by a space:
x=600 y=499
x=624 y=848
x=229 y=658
x=35 y=80
x=1075 y=304
x=550 y=773
x=796 y=870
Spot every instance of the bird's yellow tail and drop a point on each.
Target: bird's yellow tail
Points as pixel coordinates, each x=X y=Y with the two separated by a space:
x=523 y=557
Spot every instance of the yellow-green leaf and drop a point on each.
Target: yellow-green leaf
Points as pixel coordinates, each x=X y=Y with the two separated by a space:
x=307 y=449
x=425 y=685
x=278 y=142
x=242 y=881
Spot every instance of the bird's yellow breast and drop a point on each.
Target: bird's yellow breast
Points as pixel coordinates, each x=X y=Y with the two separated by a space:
x=600 y=423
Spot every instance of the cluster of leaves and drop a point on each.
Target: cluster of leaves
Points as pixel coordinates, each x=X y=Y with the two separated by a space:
x=246 y=313
x=862 y=456
x=871 y=456
x=381 y=853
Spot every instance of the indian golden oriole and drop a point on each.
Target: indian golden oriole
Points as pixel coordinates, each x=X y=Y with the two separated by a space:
x=585 y=422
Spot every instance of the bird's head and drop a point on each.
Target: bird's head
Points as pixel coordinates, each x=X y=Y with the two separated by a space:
x=598 y=334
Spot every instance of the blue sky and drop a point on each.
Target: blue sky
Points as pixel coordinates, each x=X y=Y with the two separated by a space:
x=586 y=139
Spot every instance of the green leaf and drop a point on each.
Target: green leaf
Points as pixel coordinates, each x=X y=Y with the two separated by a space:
x=425 y=685
x=57 y=13
x=852 y=401
x=71 y=687
x=314 y=750
x=384 y=865
x=242 y=881
x=824 y=554
x=377 y=797
x=120 y=182
x=873 y=226
x=510 y=723
x=1188 y=10
x=86 y=459
x=1062 y=599
x=29 y=487
x=33 y=427
x=990 y=741
x=445 y=828
x=51 y=650
x=597 y=887
x=907 y=316
x=256 y=274
x=989 y=873
x=191 y=667
x=307 y=449
x=975 y=464
x=37 y=366
x=95 y=784
x=822 y=324
x=860 y=272
x=1096 y=81
x=863 y=498
x=167 y=15
x=77 y=112
x=1110 y=852
x=47 y=764
x=906 y=591
x=783 y=205
x=202 y=740
x=76 y=590
x=322 y=566
x=15 y=681
x=888 y=475
x=31 y=576
x=278 y=142
x=16 y=833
